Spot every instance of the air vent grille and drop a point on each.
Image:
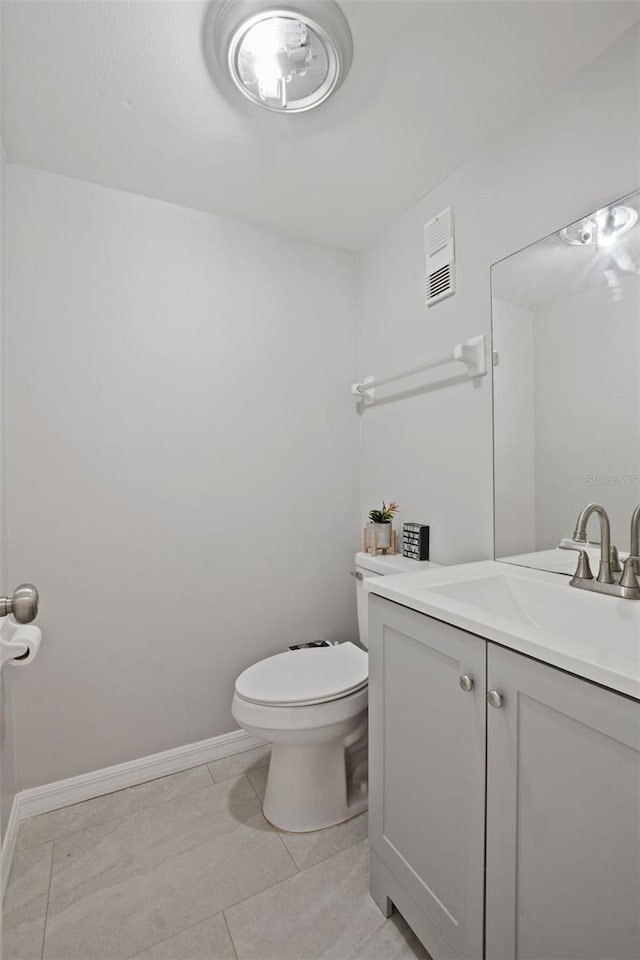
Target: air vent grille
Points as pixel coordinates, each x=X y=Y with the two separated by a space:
x=439 y=282
x=437 y=233
x=440 y=257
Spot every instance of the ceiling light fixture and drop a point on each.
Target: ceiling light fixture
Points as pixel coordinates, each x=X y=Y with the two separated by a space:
x=602 y=228
x=288 y=59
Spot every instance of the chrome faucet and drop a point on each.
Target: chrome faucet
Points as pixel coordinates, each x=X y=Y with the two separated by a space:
x=634 y=538
x=580 y=536
x=627 y=586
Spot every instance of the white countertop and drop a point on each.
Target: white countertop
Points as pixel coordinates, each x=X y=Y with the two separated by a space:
x=594 y=636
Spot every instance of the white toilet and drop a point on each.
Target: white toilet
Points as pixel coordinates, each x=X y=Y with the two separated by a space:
x=311 y=705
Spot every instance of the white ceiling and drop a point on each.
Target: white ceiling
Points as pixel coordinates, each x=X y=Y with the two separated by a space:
x=118 y=93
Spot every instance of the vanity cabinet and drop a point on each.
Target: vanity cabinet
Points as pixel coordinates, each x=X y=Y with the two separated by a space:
x=427 y=775
x=500 y=831
x=563 y=816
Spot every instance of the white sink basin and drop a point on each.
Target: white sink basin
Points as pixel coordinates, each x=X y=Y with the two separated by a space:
x=531 y=611
x=548 y=607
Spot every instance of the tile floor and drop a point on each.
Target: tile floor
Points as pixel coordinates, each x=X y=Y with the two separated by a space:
x=187 y=868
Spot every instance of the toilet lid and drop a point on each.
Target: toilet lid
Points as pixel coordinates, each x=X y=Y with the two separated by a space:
x=312 y=675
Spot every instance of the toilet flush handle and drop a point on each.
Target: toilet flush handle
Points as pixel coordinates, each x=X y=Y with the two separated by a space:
x=357 y=574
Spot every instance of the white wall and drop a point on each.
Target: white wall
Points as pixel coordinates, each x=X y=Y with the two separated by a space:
x=182 y=463
x=587 y=411
x=566 y=415
x=7 y=758
x=432 y=452
x=514 y=429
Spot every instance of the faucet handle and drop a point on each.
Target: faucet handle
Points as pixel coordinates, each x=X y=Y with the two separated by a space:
x=614 y=560
x=583 y=570
x=629 y=577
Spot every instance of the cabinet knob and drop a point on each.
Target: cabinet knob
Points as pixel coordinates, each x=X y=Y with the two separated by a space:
x=494 y=699
x=466 y=682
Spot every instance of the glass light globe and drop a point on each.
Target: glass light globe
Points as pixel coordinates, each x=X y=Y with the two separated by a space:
x=285 y=60
x=282 y=61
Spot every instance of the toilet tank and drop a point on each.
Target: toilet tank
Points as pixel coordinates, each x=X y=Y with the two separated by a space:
x=380 y=566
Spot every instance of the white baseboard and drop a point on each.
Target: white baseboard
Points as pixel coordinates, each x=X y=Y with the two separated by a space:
x=63 y=793
x=9 y=845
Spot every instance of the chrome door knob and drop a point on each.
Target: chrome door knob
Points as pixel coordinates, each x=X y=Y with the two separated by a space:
x=23 y=604
x=466 y=682
x=494 y=699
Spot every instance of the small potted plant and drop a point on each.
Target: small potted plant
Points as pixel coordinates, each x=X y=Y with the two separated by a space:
x=381 y=520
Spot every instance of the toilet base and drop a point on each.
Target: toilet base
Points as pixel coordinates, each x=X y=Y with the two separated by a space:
x=318 y=770
x=313 y=786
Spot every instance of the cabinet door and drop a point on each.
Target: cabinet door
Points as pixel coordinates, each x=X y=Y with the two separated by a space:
x=427 y=767
x=563 y=816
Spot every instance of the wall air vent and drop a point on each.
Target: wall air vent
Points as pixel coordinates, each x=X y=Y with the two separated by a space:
x=440 y=256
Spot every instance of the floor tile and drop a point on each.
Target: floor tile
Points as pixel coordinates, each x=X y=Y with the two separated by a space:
x=258 y=780
x=58 y=823
x=323 y=912
x=306 y=849
x=394 y=940
x=25 y=905
x=125 y=885
x=208 y=940
x=240 y=763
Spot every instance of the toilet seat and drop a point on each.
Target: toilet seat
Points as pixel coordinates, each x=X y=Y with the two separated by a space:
x=305 y=677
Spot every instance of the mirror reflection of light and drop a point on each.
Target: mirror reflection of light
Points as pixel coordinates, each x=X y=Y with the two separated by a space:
x=602 y=228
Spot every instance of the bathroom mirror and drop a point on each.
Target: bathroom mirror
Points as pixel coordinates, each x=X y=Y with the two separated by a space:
x=566 y=340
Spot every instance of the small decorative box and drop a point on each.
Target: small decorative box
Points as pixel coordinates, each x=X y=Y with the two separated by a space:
x=415 y=541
